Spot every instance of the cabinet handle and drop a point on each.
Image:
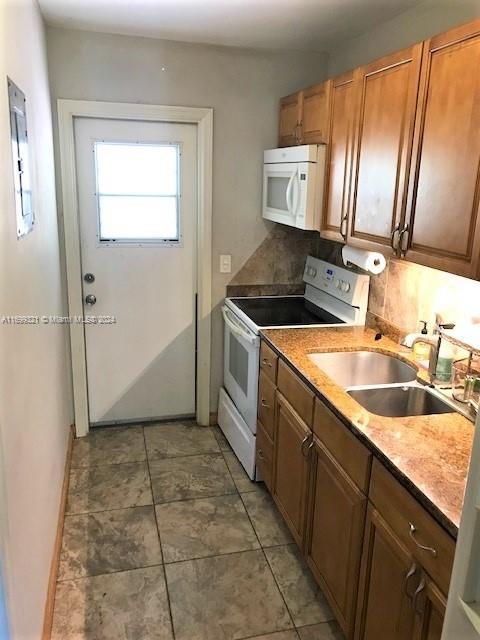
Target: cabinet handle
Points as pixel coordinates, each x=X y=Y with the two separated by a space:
x=266 y=363
x=264 y=403
x=392 y=239
x=403 y=232
x=344 y=222
x=416 y=595
x=413 y=531
x=260 y=454
x=298 y=136
x=309 y=449
x=304 y=442
x=408 y=577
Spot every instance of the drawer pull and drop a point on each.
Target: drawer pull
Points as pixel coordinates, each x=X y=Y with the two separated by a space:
x=267 y=363
x=419 y=590
x=264 y=403
x=413 y=530
x=408 y=577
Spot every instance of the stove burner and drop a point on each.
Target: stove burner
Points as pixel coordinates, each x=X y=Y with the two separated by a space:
x=284 y=311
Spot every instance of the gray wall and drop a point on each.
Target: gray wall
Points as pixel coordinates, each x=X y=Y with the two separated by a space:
x=35 y=399
x=418 y=23
x=243 y=87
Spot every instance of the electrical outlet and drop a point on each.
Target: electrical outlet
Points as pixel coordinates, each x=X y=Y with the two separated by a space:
x=226 y=263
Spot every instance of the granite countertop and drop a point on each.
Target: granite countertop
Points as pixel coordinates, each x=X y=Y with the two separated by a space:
x=429 y=455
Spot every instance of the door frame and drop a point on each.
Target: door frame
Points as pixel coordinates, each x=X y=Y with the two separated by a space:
x=68 y=110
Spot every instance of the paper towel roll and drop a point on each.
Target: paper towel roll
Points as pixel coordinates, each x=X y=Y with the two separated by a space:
x=367 y=260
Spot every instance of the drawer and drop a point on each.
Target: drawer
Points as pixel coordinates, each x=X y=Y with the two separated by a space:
x=400 y=509
x=266 y=403
x=297 y=394
x=264 y=455
x=268 y=361
x=354 y=458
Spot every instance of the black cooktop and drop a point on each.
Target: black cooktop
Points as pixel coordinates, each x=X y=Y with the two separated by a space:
x=284 y=311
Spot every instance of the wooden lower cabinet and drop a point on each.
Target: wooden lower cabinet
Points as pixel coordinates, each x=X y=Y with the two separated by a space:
x=430 y=608
x=291 y=467
x=335 y=534
x=388 y=580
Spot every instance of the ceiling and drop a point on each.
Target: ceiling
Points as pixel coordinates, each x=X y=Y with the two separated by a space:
x=310 y=25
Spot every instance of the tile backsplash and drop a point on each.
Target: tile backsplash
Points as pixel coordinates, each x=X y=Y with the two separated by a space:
x=402 y=295
x=406 y=293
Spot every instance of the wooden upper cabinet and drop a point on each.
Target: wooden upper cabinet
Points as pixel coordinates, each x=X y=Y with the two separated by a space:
x=388 y=581
x=290 y=119
x=291 y=466
x=304 y=116
x=335 y=534
x=315 y=112
x=386 y=115
x=338 y=176
x=444 y=193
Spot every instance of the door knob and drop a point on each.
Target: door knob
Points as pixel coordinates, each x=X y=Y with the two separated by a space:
x=90 y=299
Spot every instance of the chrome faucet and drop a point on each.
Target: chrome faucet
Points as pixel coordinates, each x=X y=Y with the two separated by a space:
x=434 y=341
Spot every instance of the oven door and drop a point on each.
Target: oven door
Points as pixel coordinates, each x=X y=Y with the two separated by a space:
x=241 y=363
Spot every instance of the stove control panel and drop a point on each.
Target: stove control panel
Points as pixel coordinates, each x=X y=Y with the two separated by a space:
x=340 y=283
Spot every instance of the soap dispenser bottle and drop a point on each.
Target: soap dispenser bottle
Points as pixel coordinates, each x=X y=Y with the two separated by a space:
x=421 y=350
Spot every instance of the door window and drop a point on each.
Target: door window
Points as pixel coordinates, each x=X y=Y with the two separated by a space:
x=137 y=192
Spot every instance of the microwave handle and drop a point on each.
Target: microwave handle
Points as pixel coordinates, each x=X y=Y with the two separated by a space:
x=296 y=193
x=289 y=192
x=235 y=328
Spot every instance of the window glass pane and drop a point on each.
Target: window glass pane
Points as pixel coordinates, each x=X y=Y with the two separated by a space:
x=138 y=218
x=277 y=193
x=136 y=169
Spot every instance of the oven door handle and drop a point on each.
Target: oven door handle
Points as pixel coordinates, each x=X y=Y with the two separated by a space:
x=236 y=328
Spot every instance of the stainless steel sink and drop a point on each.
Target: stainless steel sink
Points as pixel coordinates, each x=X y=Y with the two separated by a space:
x=399 y=402
x=361 y=368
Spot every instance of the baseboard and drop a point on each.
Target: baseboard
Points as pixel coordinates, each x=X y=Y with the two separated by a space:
x=52 y=581
x=213 y=418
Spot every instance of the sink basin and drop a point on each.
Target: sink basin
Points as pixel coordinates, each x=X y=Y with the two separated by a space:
x=361 y=368
x=400 y=402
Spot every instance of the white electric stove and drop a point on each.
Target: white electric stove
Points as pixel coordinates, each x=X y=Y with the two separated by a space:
x=333 y=297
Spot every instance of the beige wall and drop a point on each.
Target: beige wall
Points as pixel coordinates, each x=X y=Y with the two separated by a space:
x=243 y=87
x=418 y=23
x=35 y=410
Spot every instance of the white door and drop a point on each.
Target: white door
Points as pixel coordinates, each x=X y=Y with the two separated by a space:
x=138 y=210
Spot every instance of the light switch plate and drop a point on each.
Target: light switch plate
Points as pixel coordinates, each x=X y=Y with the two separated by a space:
x=225 y=263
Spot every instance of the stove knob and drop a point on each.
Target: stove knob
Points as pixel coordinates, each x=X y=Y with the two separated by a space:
x=314 y=272
x=345 y=286
x=338 y=284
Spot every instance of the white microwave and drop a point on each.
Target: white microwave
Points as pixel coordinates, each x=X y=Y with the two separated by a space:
x=293 y=183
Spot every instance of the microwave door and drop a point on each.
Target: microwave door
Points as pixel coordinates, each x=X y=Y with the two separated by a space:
x=279 y=193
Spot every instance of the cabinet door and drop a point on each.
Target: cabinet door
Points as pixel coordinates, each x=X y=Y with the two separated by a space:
x=290 y=119
x=314 y=129
x=444 y=195
x=339 y=157
x=388 y=579
x=334 y=539
x=430 y=605
x=388 y=95
x=292 y=437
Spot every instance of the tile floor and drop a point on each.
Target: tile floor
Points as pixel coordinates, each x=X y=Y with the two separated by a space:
x=166 y=538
